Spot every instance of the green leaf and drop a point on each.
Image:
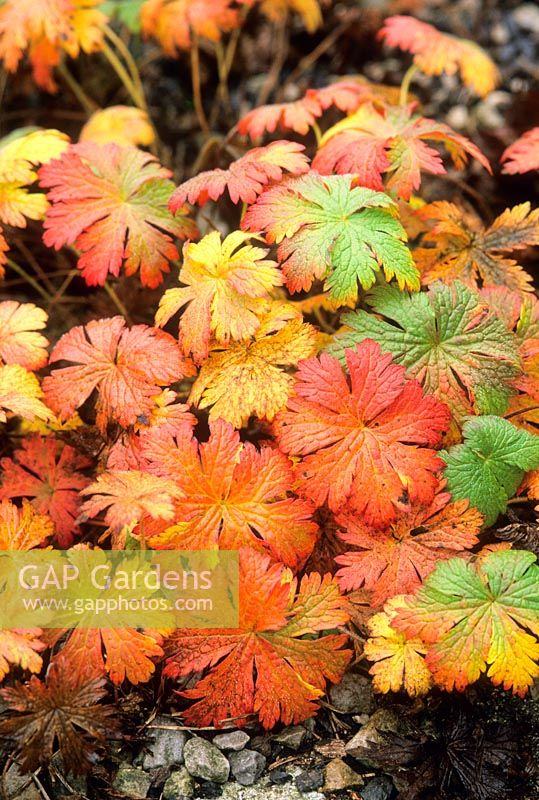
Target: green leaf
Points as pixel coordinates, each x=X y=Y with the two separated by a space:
x=330 y=230
x=478 y=617
x=447 y=338
x=489 y=466
x=126 y=11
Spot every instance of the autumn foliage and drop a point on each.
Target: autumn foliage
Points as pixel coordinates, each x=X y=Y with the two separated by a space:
x=300 y=345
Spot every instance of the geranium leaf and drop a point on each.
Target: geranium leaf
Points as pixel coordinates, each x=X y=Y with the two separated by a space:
x=489 y=466
x=365 y=438
x=329 y=229
x=447 y=339
x=277 y=662
x=477 y=618
x=111 y=202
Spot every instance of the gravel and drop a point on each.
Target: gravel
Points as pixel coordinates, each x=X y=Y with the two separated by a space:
x=247 y=766
x=204 y=760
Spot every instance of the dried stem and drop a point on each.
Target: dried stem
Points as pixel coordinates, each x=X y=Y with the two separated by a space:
x=111 y=291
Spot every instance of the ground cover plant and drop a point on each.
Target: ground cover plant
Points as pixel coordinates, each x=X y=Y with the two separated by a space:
x=295 y=330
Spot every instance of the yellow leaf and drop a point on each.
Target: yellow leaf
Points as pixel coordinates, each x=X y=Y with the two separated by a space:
x=309 y=11
x=20 y=342
x=20 y=394
x=52 y=425
x=19 y=154
x=251 y=378
x=399 y=662
x=227 y=285
x=121 y=125
x=23 y=528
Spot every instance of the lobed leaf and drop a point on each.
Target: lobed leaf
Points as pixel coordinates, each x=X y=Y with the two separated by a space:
x=277 y=663
x=111 y=202
x=458 y=246
x=231 y=495
x=365 y=439
x=391 y=141
x=436 y=52
x=127 y=367
x=330 y=229
x=447 y=339
x=489 y=466
x=246 y=177
x=477 y=618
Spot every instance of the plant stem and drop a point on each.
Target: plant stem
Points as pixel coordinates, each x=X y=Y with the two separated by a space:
x=195 y=80
x=123 y=49
x=317 y=132
x=29 y=279
x=86 y=102
x=111 y=291
x=124 y=76
x=405 y=85
x=222 y=69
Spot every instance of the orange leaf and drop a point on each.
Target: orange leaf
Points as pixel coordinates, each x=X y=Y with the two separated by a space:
x=126 y=367
x=377 y=141
x=172 y=22
x=365 y=439
x=246 y=177
x=128 y=654
x=266 y=666
x=436 y=52
x=459 y=247
x=49 y=474
x=111 y=202
x=231 y=496
x=45 y=29
x=397 y=560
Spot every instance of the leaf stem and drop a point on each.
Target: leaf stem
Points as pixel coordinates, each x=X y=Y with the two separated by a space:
x=29 y=279
x=86 y=102
x=405 y=85
x=111 y=291
x=520 y=411
x=123 y=49
x=317 y=132
x=124 y=76
x=195 y=81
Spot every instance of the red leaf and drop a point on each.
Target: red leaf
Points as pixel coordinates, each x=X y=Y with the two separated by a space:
x=365 y=439
x=111 y=202
x=49 y=474
x=126 y=367
x=266 y=666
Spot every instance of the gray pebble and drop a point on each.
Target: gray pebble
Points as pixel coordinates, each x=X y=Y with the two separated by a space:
x=235 y=740
x=204 y=760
